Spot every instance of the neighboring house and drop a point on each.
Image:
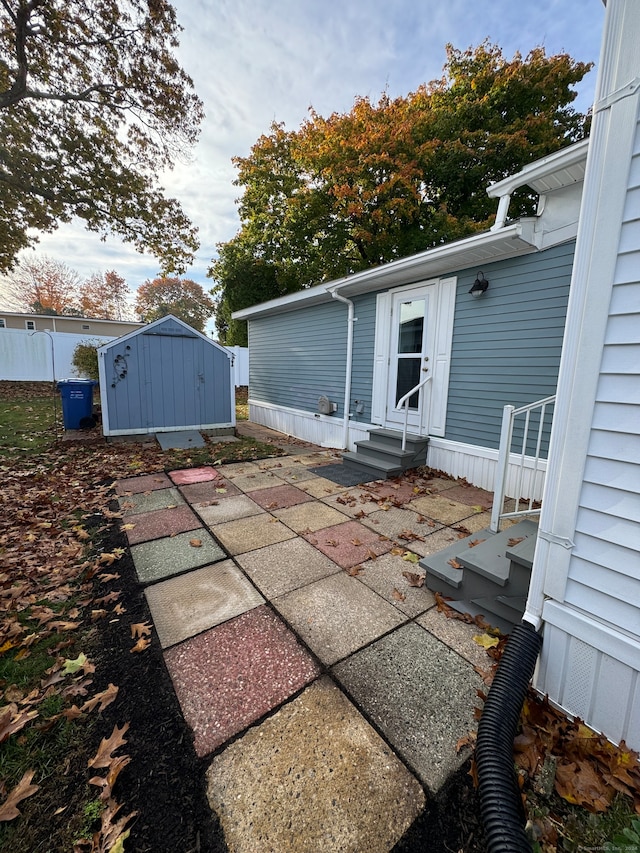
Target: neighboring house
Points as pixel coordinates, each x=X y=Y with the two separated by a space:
x=165 y=377
x=310 y=353
x=585 y=585
x=39 y=347
x=71 y=325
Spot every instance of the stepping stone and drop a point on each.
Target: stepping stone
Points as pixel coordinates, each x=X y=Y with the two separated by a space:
x=230 y=676
x=229 y=509
x=182 y=440
x=280 y=497
x=385 y=577
x=248 y=534
x=163 y=558
x=193 y=475
x=305 y=518
x=211 y=490
x=420 y=694
x=313 y=777
x=184 y=606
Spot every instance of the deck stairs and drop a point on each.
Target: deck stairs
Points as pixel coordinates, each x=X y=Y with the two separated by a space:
x=486 y=573
x=381 y=455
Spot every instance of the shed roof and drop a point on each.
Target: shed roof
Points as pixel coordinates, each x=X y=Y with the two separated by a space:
x=171 y=327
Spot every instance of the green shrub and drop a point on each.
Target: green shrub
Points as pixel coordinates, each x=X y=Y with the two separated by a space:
x=85 y=359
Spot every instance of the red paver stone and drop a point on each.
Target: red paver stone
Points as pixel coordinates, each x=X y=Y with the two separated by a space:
x=229 y=676
x=349 y=544
x=470 y=496
x=211 y=490
x=146 y=483
x=193 y=475
x=280 y=497
x=162 y=522
x=396 y=493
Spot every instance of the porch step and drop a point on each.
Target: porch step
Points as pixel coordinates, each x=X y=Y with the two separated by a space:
x=495 y=571
x=504 y=623
x=381 y=455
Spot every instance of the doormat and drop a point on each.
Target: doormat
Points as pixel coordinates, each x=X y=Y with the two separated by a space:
x=340 y=474
x=180 y=440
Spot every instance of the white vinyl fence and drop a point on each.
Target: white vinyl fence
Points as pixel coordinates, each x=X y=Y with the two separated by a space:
x=31 y=356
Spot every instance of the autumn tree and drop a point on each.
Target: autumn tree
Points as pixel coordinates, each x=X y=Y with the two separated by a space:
x=105 y=295
x=395 y=177
x=93 y=106
x=42 y=285
x=181 y=297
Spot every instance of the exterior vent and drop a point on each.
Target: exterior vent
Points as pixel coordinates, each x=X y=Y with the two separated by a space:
x=325 y=406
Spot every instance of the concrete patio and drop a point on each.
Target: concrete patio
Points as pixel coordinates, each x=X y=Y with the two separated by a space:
x=326 y=690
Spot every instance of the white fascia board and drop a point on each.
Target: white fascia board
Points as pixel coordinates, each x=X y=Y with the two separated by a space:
x=516 y=239
x=556 y=162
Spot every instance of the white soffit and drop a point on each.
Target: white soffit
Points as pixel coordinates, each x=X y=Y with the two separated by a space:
x=561 y=169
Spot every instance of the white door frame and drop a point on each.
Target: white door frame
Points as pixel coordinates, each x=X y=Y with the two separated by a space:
x=439 y=334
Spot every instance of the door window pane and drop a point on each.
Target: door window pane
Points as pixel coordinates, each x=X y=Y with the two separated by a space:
x=411 y=326
x=408 y=377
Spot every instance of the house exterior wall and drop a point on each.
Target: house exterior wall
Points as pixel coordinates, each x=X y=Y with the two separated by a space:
x=506 y=349
x=165 y=377
x=86 y=326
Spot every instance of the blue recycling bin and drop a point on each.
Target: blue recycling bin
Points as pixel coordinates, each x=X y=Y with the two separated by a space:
x=77 y=402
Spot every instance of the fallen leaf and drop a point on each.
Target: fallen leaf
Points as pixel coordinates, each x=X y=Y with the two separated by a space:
x=356 y=542
x=140 y=629
x=195 y=543
x=455 y=564
x=12 y=720
x=141 y=645
x=72 y=666
x=466 y=740
x=24 y=789
x=410 y=557
x=414 y=579
x=486 y=641
x=106 y=697
x=354 y=571
x=104 y=757
x=475 y=542
x=516 y=540
x=397 y=595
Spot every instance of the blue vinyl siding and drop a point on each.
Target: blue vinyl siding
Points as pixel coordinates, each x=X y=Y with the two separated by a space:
x=506 y=347
x=507 y=343
x=298 y=356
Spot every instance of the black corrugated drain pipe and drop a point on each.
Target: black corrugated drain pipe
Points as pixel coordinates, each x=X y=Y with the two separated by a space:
x=500 y=801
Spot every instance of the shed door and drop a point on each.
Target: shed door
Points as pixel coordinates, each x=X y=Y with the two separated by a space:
x=174 y=376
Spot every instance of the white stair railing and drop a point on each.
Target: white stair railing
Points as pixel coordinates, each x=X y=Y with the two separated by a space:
x=531 y=463
x=405 y=401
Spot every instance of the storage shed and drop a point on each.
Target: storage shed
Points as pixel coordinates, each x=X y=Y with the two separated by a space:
x=165 y=377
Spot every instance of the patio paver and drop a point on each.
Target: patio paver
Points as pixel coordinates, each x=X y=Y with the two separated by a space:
x=471 y=495
x=457 y=635
x=421 y=709
x=146 y=483
x=337 y=615
x=280 y=497
x=279 y=568
x=186 y=605
x=353 y=502
x=440 y=506
x=163 y=558
x=230 y=509
x=163 y=522
x=210 y=490
x=349 y=543
x=314 y=777
x=320 y=487
x=150 y=501
x=253 y=481
x=253 y=532
x=306 y=518
x=385 y=577
x=394 y=522
x=233 y=674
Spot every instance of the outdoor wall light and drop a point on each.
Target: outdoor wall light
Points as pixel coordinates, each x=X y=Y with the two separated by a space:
x=479 y=286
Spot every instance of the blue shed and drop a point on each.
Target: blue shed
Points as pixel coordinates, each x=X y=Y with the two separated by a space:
x=165 y=377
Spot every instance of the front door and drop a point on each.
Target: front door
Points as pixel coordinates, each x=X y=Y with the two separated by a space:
x=411 y=345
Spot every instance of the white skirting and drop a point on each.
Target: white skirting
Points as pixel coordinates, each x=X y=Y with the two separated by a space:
x=476 y=464
x=584 y=664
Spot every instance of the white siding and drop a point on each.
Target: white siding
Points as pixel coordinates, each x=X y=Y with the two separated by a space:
x=604 y=573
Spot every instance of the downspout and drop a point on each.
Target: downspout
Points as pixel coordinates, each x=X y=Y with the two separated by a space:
x=351 y=319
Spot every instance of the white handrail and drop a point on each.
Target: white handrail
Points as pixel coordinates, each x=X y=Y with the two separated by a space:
x=509 y=413
x=405 y=400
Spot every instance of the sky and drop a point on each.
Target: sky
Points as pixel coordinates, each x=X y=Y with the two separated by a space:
x=258 y=61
